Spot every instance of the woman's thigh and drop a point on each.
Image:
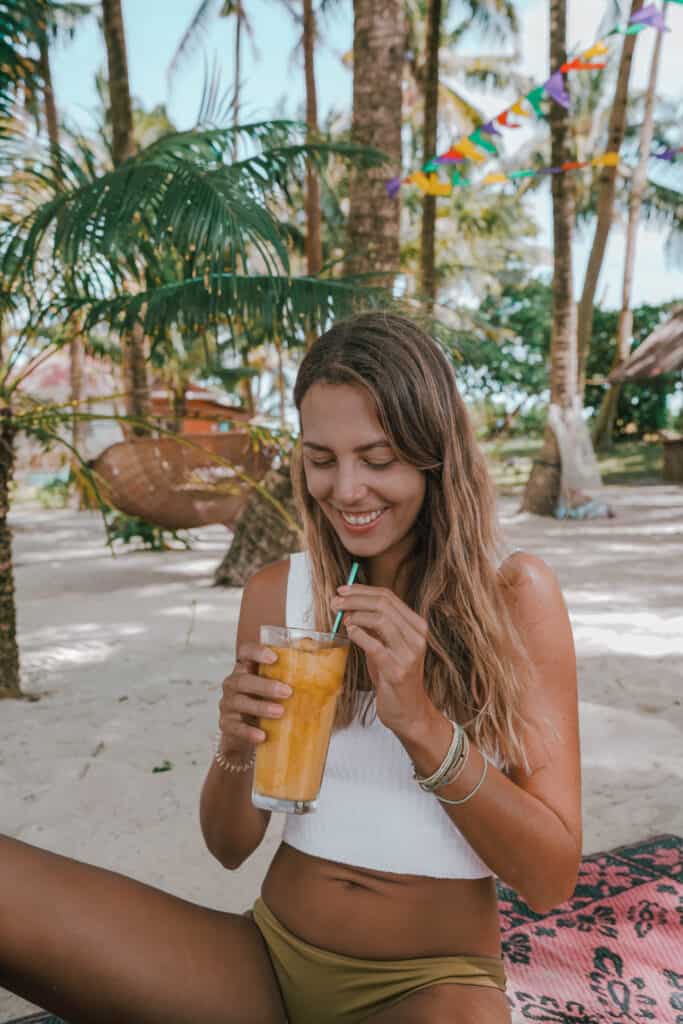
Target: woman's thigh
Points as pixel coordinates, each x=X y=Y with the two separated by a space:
x=97 y=947
x=447 y=1004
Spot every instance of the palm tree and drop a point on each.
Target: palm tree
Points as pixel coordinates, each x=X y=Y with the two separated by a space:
x=605 y=205
x=487 y=17
x=133 y=349
x=542 y=488
x=604 y=422
x=378 y=50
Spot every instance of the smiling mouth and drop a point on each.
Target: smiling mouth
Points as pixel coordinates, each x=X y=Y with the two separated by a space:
x=359 y=520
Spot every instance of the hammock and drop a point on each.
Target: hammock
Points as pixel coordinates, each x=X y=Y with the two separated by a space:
x=180 y=482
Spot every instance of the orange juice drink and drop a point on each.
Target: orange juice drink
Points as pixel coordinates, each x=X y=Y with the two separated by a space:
x=290 y=763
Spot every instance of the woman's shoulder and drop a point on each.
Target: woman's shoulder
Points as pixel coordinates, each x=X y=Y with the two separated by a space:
x=530 y=580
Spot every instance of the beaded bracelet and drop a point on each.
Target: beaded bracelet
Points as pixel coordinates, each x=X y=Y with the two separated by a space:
x=231 y=766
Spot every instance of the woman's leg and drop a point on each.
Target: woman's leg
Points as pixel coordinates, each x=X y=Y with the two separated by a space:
x=96 y=947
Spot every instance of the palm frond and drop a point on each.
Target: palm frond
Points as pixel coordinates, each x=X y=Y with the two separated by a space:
x=190 y=38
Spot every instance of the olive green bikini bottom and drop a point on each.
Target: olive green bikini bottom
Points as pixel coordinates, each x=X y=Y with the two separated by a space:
x=319 y=987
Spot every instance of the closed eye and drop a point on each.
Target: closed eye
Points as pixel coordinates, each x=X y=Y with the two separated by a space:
x=373 y=465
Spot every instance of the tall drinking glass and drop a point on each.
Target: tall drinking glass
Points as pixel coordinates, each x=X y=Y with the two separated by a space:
x=290 y=763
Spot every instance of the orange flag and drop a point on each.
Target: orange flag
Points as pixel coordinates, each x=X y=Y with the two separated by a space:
x=606 y=160
x=517 y=109
x=599 y=50
x=469 y=150
x=495 y=178
x=430 y=186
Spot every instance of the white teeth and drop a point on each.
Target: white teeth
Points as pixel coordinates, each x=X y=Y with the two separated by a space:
x=362 y=520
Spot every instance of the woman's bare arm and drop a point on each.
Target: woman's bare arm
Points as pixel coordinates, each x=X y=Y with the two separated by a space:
x=232 y=827
x=526 y=828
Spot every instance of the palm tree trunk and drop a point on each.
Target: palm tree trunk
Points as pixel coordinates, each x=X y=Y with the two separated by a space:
x=49 y=105
x=123 y=144
x=378 y=44
x=431 y=102
x=604 y=423
x=261 y=535
x=543 y=485
x=9 y=649
x=607 y=190
x=135 y=377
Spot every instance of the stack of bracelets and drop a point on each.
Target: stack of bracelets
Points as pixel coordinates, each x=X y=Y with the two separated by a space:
x=451 y=767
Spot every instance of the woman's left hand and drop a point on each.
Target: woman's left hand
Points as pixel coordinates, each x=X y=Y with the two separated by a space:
x=394 y=639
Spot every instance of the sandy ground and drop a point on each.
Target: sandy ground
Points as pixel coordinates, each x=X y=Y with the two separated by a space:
x=127 y=656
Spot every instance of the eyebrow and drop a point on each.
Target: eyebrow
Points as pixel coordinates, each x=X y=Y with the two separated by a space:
x=360 y=448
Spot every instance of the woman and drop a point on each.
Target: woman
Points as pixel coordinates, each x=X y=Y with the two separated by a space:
x=455 y=757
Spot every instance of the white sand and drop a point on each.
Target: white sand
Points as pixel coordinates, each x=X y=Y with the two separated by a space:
x=128 y=654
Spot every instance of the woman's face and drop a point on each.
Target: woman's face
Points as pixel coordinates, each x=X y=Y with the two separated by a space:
x=352 y=469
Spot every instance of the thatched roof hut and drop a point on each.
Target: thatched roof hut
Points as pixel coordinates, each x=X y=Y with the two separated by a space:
x=661 y=352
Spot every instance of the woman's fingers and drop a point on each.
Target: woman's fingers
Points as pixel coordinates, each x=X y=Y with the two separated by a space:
x=387 y=629
x=362 y=598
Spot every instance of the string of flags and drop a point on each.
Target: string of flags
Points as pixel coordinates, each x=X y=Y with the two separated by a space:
x=478 y=145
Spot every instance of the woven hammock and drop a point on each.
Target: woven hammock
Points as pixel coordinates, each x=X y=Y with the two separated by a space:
x=180 y=482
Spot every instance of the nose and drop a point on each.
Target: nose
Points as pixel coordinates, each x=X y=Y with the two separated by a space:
x=348 y=488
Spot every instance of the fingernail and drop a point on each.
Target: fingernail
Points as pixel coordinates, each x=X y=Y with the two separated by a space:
x=343 y=589
x=283 y=690
x=271 y=657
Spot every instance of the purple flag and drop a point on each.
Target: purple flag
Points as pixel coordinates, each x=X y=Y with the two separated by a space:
x=650 y=15
x=556 y=90
x=489 y=128
x=666 y=154
x=393 y=187
x=549 y=170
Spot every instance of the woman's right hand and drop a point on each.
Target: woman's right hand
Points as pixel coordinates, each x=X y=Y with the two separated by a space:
x=248 y=697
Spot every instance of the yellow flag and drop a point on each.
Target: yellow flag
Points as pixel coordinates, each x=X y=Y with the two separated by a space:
x=595 y=51
x=606 y=160
x=518 y=109
x=495 y=178
x=430 y=185
x=469 y=150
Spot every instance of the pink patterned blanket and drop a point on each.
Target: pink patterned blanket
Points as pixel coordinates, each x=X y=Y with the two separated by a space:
x=613 y=954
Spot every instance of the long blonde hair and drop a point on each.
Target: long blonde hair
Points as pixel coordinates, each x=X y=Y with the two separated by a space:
x=453 y=578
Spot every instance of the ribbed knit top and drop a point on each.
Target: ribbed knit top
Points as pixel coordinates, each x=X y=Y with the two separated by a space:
x=371 y=812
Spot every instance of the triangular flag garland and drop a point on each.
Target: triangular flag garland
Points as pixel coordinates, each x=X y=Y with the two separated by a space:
x=432 y=185
x=470 y=147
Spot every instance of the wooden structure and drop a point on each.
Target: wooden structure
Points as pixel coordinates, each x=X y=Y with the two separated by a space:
x=206 y=411
x=180 y=482
x=661 y=352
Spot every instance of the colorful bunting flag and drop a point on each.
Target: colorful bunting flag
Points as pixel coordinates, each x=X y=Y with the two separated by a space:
x=491 y=129
x=469 y=150
x=503 y=119
x=495 y=178
x=534 y=98
x=606 y=160
x=650 y=15
x=598 y=50
x=486 y=144
x=580 y=65
x=556 y=90
x=517 y=108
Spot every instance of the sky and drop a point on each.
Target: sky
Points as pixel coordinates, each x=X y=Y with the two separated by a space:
x=273 y=86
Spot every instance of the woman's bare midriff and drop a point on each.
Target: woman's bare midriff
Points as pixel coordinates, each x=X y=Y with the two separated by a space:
x=379 y=915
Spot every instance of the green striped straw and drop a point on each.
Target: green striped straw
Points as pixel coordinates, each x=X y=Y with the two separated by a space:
x=352 y=576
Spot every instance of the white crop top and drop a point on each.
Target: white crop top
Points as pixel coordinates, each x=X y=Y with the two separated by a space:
x=371 y=812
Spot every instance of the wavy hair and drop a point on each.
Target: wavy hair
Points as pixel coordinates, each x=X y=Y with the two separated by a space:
x=453 y=579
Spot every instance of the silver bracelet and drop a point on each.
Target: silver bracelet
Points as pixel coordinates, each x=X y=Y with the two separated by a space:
x=231 y=766
x=469 y=795
x=430 y=782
